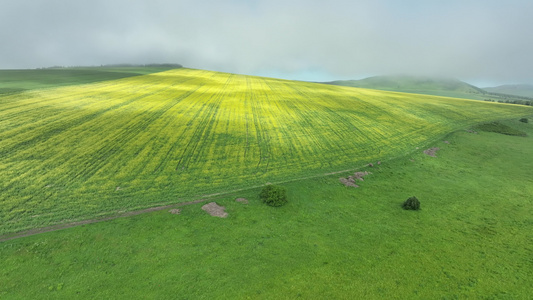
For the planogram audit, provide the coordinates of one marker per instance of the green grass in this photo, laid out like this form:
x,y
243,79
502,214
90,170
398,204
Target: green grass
x,y
471,238
16,81
499,128
524,90
93,150
438,86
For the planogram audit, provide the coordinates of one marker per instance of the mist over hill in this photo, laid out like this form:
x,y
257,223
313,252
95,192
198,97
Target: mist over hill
x,y
442,86
524,90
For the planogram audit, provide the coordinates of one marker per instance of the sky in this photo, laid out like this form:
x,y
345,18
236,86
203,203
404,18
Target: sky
x,y
483,42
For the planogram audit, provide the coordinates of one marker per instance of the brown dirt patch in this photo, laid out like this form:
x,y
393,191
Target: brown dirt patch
x,y
215,210
446,142
431,151
360,175
350,181
175,211
242,200
16,235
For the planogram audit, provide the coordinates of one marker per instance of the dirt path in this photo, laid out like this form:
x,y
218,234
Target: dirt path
x,y
35,231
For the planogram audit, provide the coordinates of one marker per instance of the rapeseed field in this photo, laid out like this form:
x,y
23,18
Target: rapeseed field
x,y
93,150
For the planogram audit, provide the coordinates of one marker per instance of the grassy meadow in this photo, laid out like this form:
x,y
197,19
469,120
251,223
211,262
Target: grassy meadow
x,y
470,240
17,81
87,151
438,86
441,86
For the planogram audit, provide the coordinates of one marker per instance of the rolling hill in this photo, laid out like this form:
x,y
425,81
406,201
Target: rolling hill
x,y
86,151
524,90
16,81
440,86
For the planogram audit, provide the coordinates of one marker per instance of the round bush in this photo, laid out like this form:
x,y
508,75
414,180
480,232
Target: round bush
x,y
273,195
411,204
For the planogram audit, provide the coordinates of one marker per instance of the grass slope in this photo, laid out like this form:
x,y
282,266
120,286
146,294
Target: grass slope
x,y
16,81
471,239
92,150
524,90
438,86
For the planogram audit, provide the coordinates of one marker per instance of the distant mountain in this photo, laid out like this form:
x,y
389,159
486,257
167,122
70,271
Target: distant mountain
x,y
440,86
524,90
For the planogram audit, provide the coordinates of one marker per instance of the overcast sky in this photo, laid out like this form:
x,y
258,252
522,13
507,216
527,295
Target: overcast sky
x,y
484,42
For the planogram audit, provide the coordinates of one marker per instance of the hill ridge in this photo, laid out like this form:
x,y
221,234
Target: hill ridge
x,y
438,86
523,90
413,84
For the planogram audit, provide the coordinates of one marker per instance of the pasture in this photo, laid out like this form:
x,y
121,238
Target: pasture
x,y
94,150
17,81
471,239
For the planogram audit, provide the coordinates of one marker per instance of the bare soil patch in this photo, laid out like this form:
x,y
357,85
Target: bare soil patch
x,y
431,151
175,211
215,210
348,182
351,180
15,235
242,200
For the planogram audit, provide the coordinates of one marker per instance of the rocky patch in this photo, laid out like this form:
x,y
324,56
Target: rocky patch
x,y
215,210
431,151
351,180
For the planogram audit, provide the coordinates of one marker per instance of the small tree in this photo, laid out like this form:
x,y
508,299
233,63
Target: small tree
x,y
411,204
524,120
273,195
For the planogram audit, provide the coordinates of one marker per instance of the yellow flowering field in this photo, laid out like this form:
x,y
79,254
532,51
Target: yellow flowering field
x,y
87,151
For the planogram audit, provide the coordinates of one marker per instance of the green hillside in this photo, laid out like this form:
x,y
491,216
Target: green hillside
x,y
15,81
92,150
524,90
439,86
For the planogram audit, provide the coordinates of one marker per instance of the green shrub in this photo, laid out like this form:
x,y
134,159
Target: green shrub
x,y
524,120
273,195
498,127
411,204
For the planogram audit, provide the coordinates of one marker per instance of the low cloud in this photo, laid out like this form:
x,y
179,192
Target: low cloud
x,y
310,40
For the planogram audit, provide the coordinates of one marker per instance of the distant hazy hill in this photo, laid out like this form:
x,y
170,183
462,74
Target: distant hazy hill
x,y
440,86
524,90
16,81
